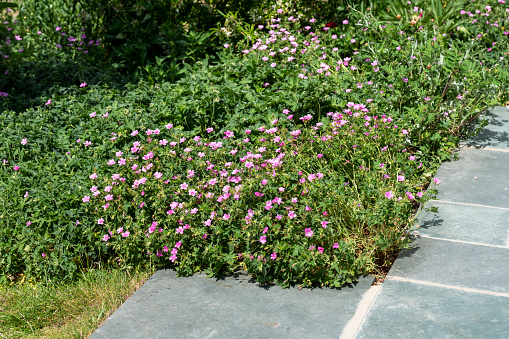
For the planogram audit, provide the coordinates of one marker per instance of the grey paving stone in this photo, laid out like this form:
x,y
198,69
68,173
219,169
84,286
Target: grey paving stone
x,y
478,177
467,223
454,263
196,307
496,134
408,310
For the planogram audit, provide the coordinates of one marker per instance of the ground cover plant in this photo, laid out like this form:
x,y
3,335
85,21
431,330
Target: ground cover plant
x,y
300,155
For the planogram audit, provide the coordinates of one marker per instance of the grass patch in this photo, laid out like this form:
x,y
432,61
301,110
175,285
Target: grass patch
x,y
68,310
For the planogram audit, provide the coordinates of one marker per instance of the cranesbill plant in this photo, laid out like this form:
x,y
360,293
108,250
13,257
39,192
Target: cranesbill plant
x,y
309,205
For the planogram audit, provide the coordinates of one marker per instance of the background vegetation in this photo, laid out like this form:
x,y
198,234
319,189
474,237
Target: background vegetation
x,y
346,107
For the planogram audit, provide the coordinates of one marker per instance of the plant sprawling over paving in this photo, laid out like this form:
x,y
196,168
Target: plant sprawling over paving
x,y
298,151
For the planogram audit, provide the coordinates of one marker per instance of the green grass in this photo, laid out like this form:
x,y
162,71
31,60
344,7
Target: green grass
x,y
70,310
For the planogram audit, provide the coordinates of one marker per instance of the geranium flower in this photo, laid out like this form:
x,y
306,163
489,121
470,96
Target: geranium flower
x,y
308,232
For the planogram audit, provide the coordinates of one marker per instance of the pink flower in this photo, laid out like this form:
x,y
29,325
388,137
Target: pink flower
x,y
173,257
43,255
16,168
436,181
29,223
324,224
108,197
281,189
228,134
106,237
273,256
100,221
209,130
291,214
226,216
125,234
401,178
179,230
389,195
336,245
320,249
308,232
208,222
263,239
307,208
24,141
264,182
111,162
184,186
83,84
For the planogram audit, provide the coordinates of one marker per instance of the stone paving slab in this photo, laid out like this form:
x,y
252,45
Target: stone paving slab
x,y
454,263
409,310
466,223
496,134
167,306
478,177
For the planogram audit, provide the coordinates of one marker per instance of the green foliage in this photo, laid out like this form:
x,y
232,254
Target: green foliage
x,y
374,102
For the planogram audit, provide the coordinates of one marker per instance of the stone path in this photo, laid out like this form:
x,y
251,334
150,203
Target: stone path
x,y
452,283
454,280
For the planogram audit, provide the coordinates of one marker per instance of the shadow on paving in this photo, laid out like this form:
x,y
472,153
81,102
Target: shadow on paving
x,y
231,307
496,134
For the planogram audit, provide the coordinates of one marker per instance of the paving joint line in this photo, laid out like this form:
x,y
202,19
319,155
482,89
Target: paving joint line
x,y
351,329
468,204
464,242
458,288
485,148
